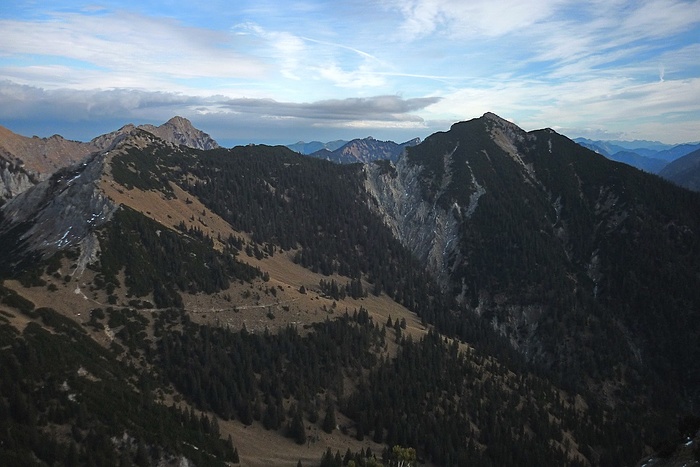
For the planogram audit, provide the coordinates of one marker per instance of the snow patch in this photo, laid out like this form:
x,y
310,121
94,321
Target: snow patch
x,y
474,197
64,240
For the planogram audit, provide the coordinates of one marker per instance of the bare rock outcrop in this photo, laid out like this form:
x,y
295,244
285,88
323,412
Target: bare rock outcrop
x,y
428,230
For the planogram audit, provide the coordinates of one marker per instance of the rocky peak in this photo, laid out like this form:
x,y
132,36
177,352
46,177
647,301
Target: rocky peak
x,y
500,125
179,130
26,161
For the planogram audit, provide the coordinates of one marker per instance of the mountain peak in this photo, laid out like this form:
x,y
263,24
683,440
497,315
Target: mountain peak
x,y
501,122
180,130
492,116
180,122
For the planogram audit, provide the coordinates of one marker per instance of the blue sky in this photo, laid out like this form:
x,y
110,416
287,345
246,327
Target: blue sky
x,y
278,72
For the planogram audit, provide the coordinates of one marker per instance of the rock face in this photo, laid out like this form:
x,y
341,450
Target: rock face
x,y
62,210
26,161
429,231
13,180
42,156
67,208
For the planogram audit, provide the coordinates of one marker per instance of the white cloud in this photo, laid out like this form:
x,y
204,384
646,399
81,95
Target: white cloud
x,y
474,18
127,46
360,78
286,50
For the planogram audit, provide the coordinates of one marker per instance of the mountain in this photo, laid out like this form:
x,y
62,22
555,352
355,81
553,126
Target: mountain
x,y
684,171
609,147
493,297
544,239
365,150
314,146
606,148
678,151
25,161
643,158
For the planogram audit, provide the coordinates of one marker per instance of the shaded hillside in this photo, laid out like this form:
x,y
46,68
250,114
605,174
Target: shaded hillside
x,y
587,266
684,171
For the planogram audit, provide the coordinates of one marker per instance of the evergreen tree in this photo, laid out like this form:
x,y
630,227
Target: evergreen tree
x,y
329,422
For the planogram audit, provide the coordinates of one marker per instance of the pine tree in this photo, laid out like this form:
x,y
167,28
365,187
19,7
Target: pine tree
x,y
329,420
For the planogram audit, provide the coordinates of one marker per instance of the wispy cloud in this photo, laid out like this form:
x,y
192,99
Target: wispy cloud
x,y
129,48
476,18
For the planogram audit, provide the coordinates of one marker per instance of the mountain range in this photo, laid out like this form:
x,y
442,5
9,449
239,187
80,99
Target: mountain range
x,y
650,156
314,146
365,150
488,296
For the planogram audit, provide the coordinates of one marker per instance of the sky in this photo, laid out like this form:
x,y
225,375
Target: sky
x,y
278,72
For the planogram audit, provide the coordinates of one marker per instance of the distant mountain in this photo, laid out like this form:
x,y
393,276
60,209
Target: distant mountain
x,y
647,164
365,150
677,151
650,156
684,171
608,147
314,146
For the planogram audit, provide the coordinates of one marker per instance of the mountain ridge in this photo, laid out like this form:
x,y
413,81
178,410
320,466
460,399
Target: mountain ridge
x,y
684,171
26,161
650,156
